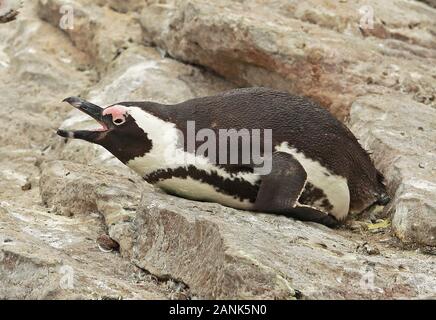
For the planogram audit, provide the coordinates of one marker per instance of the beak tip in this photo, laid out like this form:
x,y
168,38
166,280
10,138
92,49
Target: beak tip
x,y
64,133
74,101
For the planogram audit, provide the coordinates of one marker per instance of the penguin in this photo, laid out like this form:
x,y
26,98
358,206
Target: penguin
x,y
318,171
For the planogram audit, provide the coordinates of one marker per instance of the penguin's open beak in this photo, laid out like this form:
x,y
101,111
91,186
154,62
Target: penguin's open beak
x,y
92,110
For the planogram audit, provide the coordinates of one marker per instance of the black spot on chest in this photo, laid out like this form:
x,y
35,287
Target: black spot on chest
x,y
312,195
235,187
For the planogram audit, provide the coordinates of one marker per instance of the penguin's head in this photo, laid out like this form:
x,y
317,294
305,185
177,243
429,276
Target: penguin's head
x,y
369,188
119,132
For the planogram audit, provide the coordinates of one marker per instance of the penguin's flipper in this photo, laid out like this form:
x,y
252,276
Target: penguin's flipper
x,y
280,189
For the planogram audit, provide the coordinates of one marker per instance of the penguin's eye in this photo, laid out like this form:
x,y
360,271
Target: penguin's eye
x,y
119,121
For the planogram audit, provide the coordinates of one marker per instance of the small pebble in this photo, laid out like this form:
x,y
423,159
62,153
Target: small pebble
x,y
26,186
106,244
366,248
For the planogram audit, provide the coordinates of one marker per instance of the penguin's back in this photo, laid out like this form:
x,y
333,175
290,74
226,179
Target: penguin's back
x,y
295,120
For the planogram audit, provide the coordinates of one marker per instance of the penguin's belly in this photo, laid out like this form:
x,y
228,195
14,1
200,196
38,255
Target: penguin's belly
x,y
197,190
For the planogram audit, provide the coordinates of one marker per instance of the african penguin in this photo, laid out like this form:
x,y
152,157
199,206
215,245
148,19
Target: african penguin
x,y
318,171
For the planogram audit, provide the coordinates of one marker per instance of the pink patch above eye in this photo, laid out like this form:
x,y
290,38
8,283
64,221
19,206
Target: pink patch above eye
x,y
117,112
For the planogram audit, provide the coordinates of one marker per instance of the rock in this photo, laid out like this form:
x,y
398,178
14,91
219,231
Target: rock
x,y
225,253
403,132
26,186
75,189
88,27
219,252
312,48
36,66
53,257
31,87
122,6
107,244
141,73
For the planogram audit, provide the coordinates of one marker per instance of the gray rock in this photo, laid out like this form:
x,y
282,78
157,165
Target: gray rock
x,y
90,28
225,253
403,132
43,256
122,6
312,48
72,189
431,3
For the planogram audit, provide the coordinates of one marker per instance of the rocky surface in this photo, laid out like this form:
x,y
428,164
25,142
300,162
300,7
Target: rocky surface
x,y
307,47
61,202
217,252
407,156
44,255
225,253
